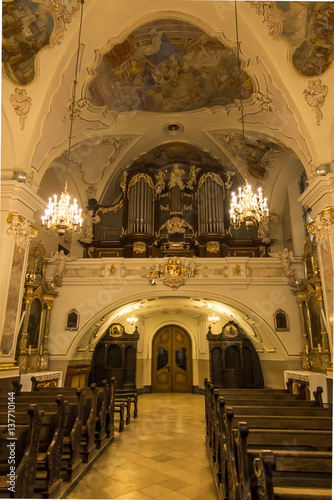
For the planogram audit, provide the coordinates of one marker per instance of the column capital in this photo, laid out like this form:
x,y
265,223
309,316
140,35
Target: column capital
x,y
20,228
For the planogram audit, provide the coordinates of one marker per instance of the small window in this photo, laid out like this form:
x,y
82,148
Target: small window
x,y
281,321
72,321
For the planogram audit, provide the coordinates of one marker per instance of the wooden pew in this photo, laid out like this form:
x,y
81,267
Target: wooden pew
x,y
71,456
124,394
221,446
285,473
45,395
48,480
103,406
26,451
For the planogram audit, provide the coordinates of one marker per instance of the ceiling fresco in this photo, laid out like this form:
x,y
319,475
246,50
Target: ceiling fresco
x,y
175,152
309,29
258,154
26,28
168,66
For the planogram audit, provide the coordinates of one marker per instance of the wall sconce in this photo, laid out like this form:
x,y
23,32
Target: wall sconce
x,y
213,319
132,320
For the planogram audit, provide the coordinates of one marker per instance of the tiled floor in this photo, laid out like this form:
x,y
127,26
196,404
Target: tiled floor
x,y
160,455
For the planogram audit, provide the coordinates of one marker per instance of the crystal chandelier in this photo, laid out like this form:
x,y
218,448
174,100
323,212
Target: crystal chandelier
x,y
246,207
61,216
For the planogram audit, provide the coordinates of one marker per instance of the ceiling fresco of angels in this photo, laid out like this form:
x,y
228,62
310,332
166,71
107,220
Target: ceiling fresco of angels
x,y
168,66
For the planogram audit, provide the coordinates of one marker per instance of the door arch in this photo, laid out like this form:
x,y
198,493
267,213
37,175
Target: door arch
x,y
171,360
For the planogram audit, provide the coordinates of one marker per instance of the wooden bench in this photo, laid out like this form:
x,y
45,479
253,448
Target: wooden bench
x,y
88,428
275,420
288,476
283,473
26,451
48,480
124,394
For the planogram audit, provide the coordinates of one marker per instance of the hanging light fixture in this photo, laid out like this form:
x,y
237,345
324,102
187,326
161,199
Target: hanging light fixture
x,y
246,207
213,319
132,320
61,216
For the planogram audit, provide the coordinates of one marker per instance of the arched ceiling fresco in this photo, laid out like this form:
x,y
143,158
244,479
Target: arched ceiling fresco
x,y
309,29
26,29
168,66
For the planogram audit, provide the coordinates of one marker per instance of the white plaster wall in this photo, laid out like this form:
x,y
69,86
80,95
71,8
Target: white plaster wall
x,y
254,298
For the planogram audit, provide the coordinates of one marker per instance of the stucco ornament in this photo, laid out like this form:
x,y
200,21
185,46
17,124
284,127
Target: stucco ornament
x,y
21,103
213,247
265,101
139,247
88,233
172,272
322,225
21,230
315,96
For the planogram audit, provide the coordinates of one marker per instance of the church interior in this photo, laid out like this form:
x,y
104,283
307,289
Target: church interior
x,y
167,211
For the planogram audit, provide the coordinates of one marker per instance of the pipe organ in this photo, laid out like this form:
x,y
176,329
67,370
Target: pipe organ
x,y
211,195
173,209
140,204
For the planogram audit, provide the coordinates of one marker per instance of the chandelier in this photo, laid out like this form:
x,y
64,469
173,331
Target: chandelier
x,y
60,215
132,320
246,207
213,319
249,208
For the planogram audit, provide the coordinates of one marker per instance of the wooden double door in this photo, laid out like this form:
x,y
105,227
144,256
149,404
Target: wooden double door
x,y
171,360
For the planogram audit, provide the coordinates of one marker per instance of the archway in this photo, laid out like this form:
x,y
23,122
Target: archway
x,y
171,360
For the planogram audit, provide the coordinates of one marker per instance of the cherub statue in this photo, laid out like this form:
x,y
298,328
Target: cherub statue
x,y
192,177
160,183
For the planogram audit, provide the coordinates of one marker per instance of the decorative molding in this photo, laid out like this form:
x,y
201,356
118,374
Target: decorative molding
x,y
265,101
315,96
21,230
62,17
266,9
21,103
136,178
74,111
214,177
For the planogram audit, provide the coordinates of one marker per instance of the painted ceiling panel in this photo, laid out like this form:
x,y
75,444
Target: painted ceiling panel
x,y
168,66
26,28
309,29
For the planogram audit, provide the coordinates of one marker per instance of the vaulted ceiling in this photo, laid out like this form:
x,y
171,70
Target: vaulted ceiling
x,y
159,82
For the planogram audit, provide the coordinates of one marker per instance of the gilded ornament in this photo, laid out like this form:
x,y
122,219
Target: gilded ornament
x,y
139,247
213,247
21,230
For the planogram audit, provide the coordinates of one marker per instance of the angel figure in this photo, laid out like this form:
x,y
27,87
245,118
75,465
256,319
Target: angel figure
x,y
60,258
192,177
88,234
176,177
160,183
287,259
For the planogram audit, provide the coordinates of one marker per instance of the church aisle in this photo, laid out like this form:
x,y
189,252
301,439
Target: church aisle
x,y
160,455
